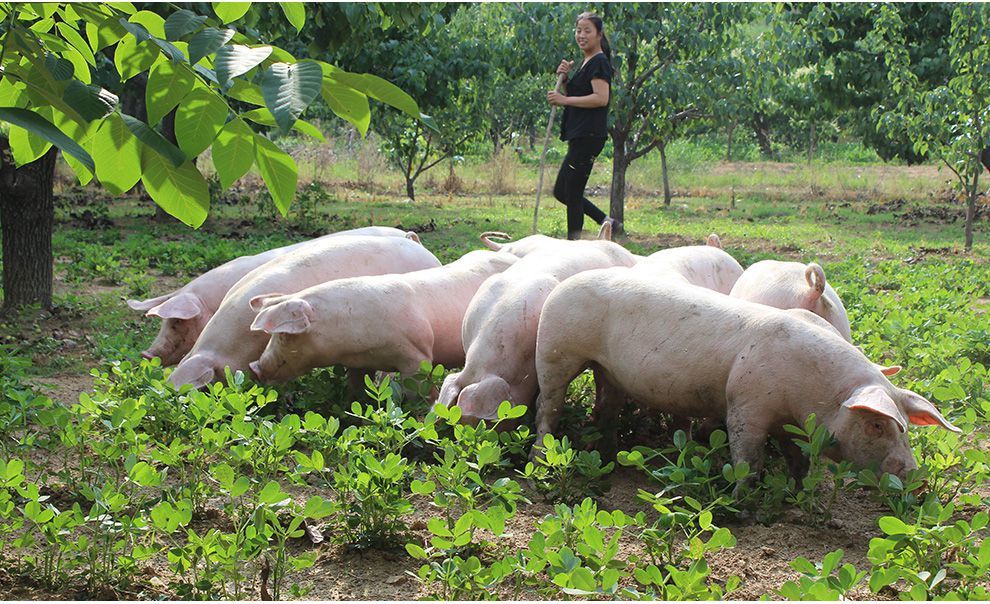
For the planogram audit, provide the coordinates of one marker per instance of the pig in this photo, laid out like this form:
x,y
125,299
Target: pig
x,y
687,350
793,285
499,331
534,243
227,339
388,322
702,265
185,311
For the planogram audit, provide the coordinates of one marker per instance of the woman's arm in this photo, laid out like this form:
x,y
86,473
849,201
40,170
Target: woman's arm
x,y
598,98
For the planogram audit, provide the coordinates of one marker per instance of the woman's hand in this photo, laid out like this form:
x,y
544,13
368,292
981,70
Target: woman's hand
x,y
556,98
565,67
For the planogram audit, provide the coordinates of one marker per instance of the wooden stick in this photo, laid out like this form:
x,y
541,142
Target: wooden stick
x,y
546,144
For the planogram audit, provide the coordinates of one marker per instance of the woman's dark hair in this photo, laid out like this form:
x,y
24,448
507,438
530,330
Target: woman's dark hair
x,y
600,27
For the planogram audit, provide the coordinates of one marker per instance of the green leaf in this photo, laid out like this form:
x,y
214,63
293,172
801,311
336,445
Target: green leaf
x,y
90,101
263,116
279,171
581,578
416,551
295,12
198,120
61,69
38,125
230,11
235,59
25,146
181,191
375,87
272,494
142,474
233,151
289,89
73,37
153,23
132,58
182,23
168,84
118,155
892,525
317,507
207,42
154,140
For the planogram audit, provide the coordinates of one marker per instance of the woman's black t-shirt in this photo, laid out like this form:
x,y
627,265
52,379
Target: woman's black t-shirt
x,y
578,121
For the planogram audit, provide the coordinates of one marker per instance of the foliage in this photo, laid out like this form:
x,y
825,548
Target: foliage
x,y
566,475
817,581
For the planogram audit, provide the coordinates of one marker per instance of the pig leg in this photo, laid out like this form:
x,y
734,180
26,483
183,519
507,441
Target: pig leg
x,y
554,375
747,438
610,402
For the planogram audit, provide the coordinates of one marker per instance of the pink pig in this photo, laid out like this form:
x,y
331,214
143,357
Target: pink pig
x,y
386,322
686,350
499,331
793,285
185,311
227,339
702,265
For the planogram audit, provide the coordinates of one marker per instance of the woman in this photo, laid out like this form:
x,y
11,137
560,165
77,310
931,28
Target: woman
x,y
585,122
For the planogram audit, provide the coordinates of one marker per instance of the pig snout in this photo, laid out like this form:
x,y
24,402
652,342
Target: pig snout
x,y
147,355
899,464
255,368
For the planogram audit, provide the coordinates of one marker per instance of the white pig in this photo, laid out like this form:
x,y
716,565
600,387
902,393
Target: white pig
x,y
387,322
793,285
702,265
686,350
185,311
227,339
499,331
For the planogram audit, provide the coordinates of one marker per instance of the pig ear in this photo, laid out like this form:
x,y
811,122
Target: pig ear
x,y
196,370
183,306
922,412
713,241
264,300
889,370
150,303
878,401
815,277
449,390
412,236
288,316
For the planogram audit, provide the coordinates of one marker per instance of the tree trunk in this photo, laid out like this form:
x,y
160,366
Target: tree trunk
x,y
812,142
762,130
663,170
617,193
410,193
728,144
970,211
27,215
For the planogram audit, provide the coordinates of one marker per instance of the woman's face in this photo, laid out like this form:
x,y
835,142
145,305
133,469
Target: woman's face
x,y
586,36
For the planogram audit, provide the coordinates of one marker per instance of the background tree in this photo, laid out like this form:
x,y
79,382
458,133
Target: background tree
x,y
196,66
950,121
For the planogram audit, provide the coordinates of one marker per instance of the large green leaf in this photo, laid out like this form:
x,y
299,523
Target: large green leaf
x,y
12,93
233,151
295,12
154,140
132,58
235,59
80,68
82,135
26,146
61,69
348,104
40,126
168,84
90,101
109,32
279,171
182,23
230,11
179,190
263,116
73,37
208,42
375,87
289,89
247,92
118,155
198,119
152,22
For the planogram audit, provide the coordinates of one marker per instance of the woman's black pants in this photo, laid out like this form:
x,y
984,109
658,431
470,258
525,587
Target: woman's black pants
x,y
571,180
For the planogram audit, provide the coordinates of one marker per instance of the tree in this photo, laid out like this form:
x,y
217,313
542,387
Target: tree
x,y
663,76
196,65
949,121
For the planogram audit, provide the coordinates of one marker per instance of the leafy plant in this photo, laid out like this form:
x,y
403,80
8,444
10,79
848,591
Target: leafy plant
x,y
820,581
813,439
566,475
